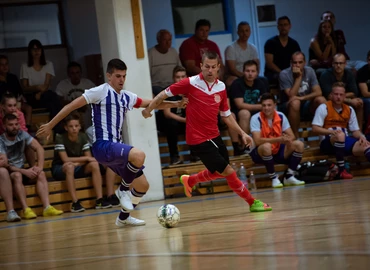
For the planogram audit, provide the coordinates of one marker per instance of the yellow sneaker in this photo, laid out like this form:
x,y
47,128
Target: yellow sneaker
x,y
29,214
51,211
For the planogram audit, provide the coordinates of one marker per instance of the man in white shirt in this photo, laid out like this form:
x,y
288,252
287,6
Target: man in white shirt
x,y
162,60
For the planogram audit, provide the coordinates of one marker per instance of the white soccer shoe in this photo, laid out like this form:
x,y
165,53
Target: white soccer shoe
x,y
130,221
292,181
125,199
276,183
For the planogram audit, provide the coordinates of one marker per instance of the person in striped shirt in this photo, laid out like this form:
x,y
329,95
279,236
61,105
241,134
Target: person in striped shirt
x,y
110,103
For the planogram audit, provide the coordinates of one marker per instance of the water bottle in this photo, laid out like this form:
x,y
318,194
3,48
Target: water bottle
x,y
235,168
252,181
243,175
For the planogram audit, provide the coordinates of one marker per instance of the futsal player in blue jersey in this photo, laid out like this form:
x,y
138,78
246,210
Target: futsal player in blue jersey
x,y
109,105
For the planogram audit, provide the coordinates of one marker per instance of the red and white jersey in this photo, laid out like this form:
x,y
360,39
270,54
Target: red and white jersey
x,y
205,103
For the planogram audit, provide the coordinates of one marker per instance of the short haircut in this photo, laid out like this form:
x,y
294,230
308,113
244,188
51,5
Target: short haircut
x,y
116,64
328,11
210,55
338,84
250,63
9,117
37,43
177,69
339,55
202,22
161,32
368,55
73,64
243,23
283,18
267,96
70,117
7,96
3,56
299,53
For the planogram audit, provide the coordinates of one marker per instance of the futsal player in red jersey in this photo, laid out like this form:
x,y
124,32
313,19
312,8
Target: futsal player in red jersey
x,y
207,98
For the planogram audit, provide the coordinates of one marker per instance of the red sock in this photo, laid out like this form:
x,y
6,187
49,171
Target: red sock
x,y
238,187
203,176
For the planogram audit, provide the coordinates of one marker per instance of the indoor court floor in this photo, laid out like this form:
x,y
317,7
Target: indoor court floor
x,y
320,226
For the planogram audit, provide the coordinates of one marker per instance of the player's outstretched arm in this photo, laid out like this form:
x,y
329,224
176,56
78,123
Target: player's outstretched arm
x,y
156,101
45,130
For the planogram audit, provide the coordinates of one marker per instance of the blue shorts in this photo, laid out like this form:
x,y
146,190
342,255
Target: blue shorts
x,y
113,155
58,174
278,157
327,148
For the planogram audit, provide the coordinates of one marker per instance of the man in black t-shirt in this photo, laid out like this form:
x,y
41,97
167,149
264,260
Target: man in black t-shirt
x,y
244,94
363,79
279,50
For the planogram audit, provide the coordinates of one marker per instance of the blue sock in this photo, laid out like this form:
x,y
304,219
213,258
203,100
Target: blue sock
x,y
339,154
294,161
129,174
268,161
367,153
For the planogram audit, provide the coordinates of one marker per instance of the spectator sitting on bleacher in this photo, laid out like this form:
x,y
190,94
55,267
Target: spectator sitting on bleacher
x,y
245,93
323,46
193,48
279,50
238,53
162,60
301,92
341,41
73,159
9,83
339,73
275,142
13,143
332,122
363,79
36,76
6,191
72,88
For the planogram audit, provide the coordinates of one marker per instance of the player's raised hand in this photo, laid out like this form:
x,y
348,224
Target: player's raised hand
x,y
146,113
44,131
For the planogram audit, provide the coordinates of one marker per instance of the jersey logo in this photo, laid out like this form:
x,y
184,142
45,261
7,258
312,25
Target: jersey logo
x,y
217,98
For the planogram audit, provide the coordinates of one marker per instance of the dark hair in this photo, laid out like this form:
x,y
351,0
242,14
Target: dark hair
x,y
368,55
70,117
202,22
210,55
73,64
162,32
298,53
3,56
116,64
250,63
283,18
321,37
328,11
338,84
177,69
243,23
267,96
9,117
6,97
37,43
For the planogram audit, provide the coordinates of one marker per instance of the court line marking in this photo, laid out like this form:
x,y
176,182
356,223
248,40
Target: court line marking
x,y
183,202
203,254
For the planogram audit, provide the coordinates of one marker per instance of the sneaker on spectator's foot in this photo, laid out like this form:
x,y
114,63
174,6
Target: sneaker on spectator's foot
x,y
306,146
259,206
102,204
194,158
29,214
130,221
51,211
76,207
175,161
187,189
292,181
12,216
345,175
114,201
125,199
276,183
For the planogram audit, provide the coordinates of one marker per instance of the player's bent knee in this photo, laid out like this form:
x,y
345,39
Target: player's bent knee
x,y
136,157
295,105
244,114
299,145
265,148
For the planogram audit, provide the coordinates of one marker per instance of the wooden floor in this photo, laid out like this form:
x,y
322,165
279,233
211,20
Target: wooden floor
x,y
323,226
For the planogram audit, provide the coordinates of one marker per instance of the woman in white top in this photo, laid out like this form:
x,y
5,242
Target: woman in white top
x,y
35,78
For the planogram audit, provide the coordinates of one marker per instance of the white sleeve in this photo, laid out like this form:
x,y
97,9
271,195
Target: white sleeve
x,y
96,94
132,99
320,114
230,53
49,68
24,72
59,89
285,124
255,124
353,123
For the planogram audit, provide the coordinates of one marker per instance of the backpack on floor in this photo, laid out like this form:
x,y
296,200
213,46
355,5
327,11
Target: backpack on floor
x,y
315,172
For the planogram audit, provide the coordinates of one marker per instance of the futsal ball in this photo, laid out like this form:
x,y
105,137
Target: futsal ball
x,y
168,215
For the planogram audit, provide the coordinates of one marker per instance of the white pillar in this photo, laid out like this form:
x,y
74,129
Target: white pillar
x,y
116,34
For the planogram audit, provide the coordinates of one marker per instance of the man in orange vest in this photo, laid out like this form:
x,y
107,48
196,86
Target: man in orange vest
x,y
275,142
332,122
